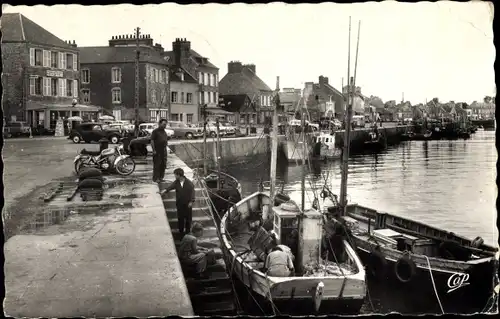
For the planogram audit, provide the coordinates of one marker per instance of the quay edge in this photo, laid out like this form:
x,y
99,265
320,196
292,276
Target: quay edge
x,y
100,262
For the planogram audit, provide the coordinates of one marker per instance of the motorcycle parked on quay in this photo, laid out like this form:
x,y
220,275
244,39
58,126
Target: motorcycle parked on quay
x,y
108,160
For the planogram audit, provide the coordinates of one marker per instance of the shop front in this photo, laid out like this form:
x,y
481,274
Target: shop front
x,y
45,115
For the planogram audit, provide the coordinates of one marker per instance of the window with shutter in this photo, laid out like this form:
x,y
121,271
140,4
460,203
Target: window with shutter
x,y
53,59
32,56
75,63
75,88
53,86
32,86
62,60
45,59
62,91
69,88
46,86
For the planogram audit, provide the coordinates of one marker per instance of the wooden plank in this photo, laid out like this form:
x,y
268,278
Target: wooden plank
x,y
72,194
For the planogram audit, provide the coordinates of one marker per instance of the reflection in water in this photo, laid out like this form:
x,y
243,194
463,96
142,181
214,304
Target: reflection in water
x,y
47,219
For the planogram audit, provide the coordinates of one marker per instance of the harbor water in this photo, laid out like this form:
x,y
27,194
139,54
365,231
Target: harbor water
x,y
445,183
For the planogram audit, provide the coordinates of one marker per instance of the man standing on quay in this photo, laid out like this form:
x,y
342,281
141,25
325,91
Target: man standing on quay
x,y
184,199
159,142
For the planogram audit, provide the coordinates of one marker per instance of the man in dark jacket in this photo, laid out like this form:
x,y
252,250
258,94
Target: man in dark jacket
x,y
184,199
159,142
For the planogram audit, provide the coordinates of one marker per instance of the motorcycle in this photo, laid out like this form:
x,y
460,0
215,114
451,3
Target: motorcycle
x,y
109,159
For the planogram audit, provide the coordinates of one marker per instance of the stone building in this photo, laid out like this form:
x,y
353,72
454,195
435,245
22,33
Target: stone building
x,y
243,79
40,75
199,68
319,94
184,99
108,78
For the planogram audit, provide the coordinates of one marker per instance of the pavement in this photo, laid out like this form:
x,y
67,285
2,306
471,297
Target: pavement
x,y
112,258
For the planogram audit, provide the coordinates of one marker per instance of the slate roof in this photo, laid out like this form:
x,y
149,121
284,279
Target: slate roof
x,y
187,77
17,28
245,82
235,102
193,55
93,55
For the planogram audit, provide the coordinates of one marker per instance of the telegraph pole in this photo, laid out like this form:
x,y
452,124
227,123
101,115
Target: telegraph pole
x,y
136,105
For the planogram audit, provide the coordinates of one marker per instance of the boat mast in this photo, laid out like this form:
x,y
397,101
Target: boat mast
x,y
274,145
205,168
347,130
350,100
304,154
300,222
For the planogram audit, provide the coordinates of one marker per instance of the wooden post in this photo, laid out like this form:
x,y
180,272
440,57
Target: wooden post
x,y
136,104
218,153
274,146
205,163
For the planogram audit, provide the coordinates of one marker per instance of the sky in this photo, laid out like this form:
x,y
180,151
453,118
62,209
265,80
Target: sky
x,y
422,50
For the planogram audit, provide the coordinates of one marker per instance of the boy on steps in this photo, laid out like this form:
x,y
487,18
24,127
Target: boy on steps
x,y
190,254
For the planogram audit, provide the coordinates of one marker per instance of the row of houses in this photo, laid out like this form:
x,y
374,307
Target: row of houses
x,y
46,78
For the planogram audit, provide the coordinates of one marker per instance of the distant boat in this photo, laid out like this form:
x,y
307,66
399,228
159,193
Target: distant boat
x,y
325,148
425,136
375,141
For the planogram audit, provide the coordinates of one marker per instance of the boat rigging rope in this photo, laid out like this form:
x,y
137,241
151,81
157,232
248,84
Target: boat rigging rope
x,y
434,284
232,269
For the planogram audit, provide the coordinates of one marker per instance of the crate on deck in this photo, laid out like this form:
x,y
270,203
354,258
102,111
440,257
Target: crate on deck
x,y
260,242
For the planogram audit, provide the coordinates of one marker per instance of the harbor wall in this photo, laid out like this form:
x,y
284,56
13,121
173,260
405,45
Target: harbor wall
x,y
232,150
238,149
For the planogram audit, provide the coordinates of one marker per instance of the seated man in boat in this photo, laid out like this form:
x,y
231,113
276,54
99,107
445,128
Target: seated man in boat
x,y
279,263
190,254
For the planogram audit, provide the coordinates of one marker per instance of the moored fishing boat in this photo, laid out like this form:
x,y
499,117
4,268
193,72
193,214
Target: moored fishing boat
x,y
457,273
375,141
316,283
325,148
340,287
423,136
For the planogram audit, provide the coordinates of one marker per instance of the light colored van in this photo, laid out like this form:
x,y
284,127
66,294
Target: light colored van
x,y
149,127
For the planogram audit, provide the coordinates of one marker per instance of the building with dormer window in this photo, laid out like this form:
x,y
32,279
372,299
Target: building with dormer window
x,y
202,70
108,78
243,79
41,74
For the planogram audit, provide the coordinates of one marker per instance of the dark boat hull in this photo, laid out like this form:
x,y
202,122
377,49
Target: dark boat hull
x,y
255,304
458,293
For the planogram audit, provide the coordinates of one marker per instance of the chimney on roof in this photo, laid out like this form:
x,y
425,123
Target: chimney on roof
x,y
250,67
323,80
181,48
74,44
234,67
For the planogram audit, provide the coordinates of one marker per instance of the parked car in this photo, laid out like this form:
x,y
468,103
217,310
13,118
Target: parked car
x,y
93,132
296,122
228,128
149,127
14,129
182,130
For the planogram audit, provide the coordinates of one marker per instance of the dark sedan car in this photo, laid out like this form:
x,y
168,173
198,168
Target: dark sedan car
x,y
93,132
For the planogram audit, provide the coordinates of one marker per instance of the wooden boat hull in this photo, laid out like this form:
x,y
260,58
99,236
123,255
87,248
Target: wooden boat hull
x,y
462,286
469,297
349,290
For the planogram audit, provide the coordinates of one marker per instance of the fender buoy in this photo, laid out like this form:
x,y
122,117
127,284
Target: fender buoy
x,y
90,172
405,269
477,242
377,264
92,183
